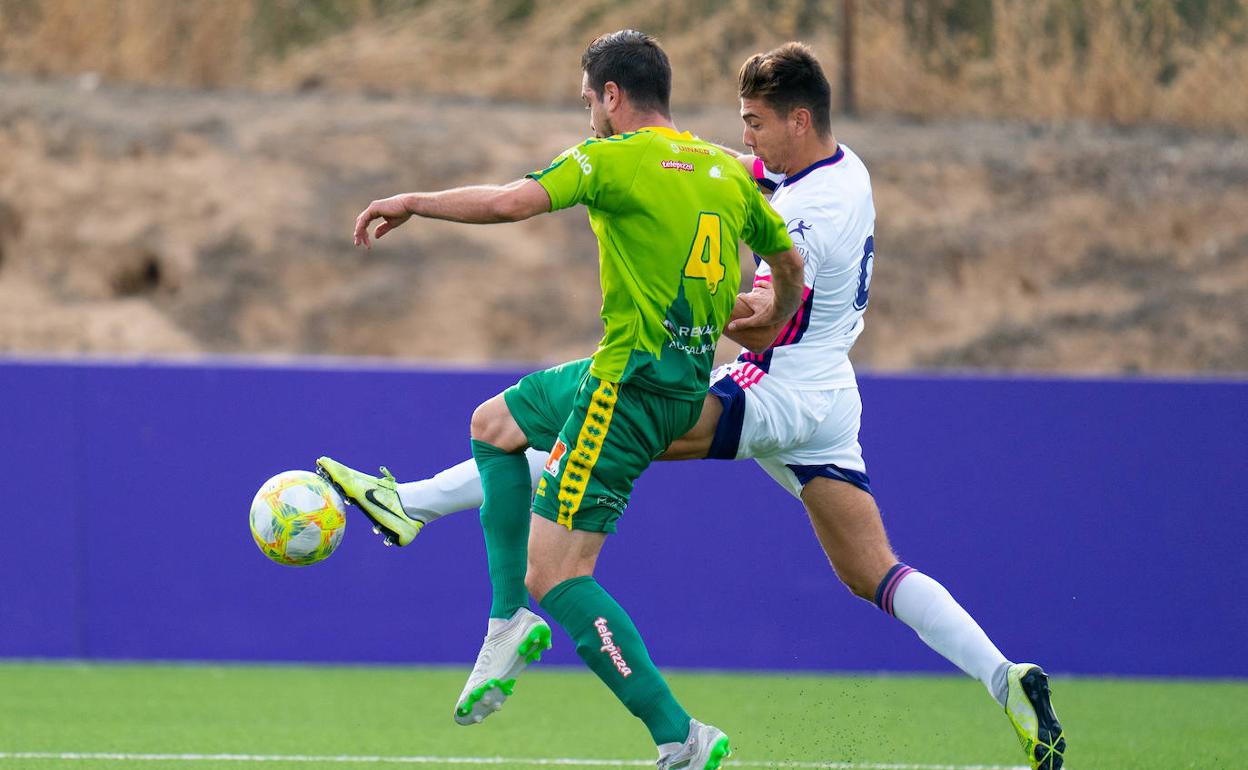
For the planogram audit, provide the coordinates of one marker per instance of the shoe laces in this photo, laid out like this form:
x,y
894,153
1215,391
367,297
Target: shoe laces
x,y
385,472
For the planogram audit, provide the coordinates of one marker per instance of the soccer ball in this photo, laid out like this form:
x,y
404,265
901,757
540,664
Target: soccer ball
x,y
297,518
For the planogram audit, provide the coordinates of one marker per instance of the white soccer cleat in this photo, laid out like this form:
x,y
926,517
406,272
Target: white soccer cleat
x,y
706,748
509,646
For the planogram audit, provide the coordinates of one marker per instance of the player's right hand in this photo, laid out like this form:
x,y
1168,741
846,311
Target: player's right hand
x,y
747,325
393,210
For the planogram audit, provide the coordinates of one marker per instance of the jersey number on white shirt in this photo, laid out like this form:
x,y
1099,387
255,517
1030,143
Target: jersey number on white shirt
x,y
864,273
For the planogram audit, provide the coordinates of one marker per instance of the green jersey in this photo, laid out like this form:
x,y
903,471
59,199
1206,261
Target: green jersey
x,y
668,210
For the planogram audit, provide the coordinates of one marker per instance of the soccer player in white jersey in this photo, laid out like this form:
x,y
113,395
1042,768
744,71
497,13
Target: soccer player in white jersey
x,y
793,406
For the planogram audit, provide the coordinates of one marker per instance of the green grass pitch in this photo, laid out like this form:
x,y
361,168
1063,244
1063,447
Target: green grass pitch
x,y
275,717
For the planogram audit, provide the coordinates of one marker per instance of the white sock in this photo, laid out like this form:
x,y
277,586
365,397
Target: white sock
x,y
537,464
457,488
924,605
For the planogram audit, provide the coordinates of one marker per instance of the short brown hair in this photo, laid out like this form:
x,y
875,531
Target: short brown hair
x,y
786,78
633,61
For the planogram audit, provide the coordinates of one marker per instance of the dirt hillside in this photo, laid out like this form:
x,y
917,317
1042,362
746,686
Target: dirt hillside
x,y
146,220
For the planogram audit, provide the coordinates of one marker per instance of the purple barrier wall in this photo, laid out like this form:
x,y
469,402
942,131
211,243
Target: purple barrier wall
x,y
1095,526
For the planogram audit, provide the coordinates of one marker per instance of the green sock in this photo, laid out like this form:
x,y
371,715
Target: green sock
x,y
505,523
609,643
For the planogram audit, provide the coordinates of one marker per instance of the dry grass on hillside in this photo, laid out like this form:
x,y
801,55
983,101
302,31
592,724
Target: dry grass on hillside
x,y
1117,61
189,42
1118,65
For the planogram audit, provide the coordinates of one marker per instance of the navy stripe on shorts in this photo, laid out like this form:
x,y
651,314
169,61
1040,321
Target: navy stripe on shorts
x,y
805,473
728,430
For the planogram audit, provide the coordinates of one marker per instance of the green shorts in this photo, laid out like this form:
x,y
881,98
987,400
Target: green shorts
x,y
600,435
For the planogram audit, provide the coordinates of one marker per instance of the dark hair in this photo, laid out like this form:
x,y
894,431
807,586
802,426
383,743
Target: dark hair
x,y
786,78
634,61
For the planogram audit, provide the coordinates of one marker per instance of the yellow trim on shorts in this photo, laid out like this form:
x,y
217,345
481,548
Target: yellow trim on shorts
x,y
584,455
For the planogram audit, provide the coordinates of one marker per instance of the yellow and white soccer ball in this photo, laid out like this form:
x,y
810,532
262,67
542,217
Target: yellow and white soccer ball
x,y
297,518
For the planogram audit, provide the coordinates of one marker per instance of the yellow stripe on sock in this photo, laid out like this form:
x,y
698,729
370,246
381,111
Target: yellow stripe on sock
x,y
584,455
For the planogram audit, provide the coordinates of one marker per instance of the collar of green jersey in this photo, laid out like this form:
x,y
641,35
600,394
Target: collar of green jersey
x,y
670,133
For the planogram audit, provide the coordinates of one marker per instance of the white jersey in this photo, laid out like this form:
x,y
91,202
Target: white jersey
x,y
831,219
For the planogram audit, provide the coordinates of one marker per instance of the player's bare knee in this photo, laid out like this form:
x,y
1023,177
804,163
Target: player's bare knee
x,y
484,421
493,424
540,578
536,583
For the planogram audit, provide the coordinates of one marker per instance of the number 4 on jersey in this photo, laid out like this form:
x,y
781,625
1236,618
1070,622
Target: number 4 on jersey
x,y
706,259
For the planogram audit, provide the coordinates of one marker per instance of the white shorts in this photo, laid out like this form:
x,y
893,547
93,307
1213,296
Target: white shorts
x,y
794,435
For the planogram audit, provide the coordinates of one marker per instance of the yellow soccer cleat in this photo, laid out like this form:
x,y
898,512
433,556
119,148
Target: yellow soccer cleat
x,y
377,497
1031,713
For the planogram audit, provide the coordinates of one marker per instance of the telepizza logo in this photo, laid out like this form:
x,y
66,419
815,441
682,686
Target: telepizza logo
x,y
678,165
556,456
608,646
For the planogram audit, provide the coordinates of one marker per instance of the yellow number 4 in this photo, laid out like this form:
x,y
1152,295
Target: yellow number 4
x,y
706,259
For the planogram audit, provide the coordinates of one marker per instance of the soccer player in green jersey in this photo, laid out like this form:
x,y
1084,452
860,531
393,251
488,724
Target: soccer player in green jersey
x,y
668,211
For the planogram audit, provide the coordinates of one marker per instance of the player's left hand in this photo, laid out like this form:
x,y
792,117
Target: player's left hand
x,y
393,210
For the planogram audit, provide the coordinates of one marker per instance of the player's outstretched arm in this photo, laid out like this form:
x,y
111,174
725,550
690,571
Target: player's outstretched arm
x,y
480,204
